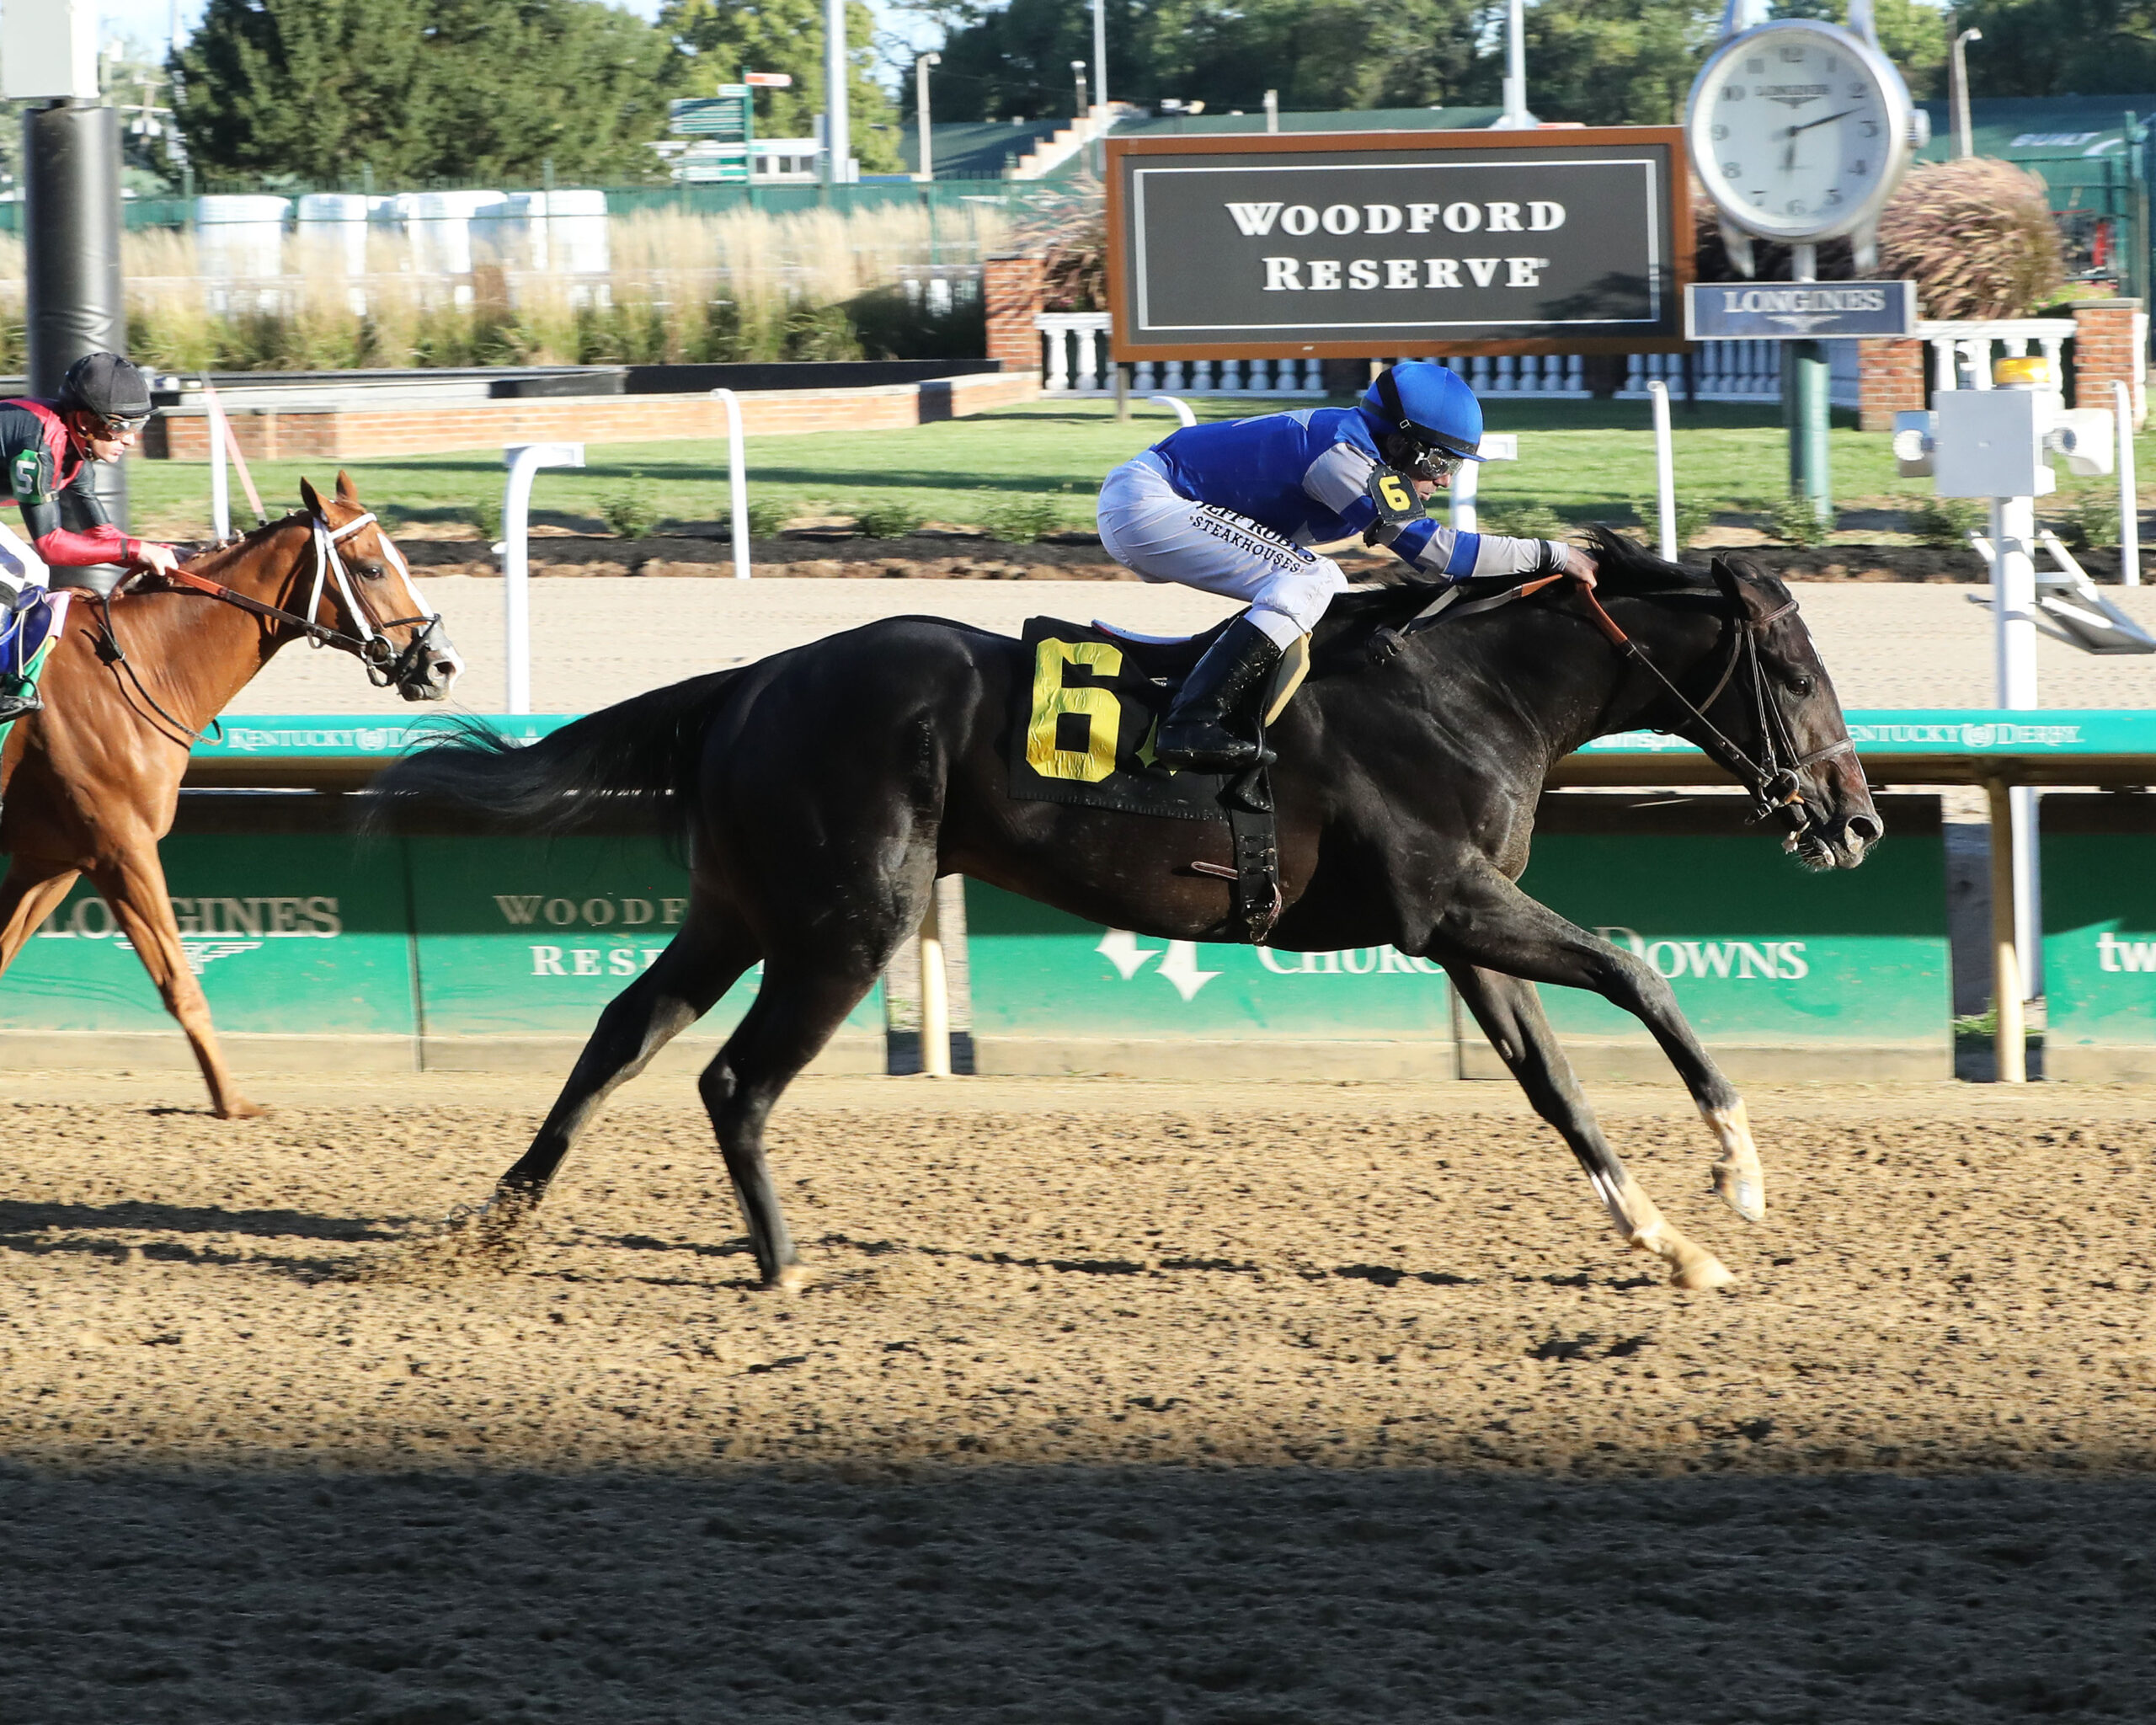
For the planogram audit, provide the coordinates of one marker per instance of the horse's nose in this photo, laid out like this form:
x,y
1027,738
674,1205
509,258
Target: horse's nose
x,y
1865,829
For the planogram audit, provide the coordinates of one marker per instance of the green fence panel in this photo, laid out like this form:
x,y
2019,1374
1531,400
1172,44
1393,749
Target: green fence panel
x,y
292,933
1760,950
1762,953
1039,972
533,938
2097,866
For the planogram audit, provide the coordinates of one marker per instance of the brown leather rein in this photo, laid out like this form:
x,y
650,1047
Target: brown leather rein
x,y
1776,788
385,666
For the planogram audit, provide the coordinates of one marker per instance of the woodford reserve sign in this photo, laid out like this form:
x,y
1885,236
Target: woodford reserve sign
x,y
1261,245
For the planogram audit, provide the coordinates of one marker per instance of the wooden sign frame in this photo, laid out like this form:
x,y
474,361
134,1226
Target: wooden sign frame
x,y
1682,261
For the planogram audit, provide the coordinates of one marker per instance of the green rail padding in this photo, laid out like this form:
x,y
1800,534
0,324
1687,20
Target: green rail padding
x,y
2098,869
1804,972
291,934
1974,734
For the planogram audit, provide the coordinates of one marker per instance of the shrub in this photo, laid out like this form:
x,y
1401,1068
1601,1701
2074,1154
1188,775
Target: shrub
x,y
887,519
1978,237
485,513
820,333
633,511
1945,523
767,517
1694,514
1020,520
1521,521
1797,521
2093,521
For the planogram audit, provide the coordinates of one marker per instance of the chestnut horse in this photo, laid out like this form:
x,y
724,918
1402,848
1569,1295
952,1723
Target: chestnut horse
x,y
91,782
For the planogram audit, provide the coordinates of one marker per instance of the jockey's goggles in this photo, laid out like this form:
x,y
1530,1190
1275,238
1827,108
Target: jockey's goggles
x,y
1428,463
120,424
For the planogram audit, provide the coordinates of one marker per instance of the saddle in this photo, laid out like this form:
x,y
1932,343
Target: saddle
x,y
1083,734
28,632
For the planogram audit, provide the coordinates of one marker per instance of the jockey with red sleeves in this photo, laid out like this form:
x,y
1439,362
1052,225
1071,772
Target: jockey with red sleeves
x,y
46,448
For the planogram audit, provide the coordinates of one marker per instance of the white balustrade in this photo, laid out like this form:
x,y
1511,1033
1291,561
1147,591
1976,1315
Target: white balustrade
x,y
1962,349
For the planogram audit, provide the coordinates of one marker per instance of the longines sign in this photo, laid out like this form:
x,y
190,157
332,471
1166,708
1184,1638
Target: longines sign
x,y
1389,243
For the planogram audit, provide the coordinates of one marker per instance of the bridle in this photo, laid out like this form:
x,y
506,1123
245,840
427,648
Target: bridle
x,y
385,667
368,641
1777,792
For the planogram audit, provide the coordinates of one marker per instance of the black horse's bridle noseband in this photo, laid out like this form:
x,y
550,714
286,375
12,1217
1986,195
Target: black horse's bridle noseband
x,y
1777,790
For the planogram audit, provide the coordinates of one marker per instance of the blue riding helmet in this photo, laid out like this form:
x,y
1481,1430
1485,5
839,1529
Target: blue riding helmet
x,y
1426,403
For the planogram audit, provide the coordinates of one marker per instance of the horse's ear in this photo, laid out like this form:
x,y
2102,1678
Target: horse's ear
x,y
347,492
1757,592
312,499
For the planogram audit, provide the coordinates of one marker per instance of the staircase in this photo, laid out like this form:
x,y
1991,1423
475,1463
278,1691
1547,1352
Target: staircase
x,y
1061,145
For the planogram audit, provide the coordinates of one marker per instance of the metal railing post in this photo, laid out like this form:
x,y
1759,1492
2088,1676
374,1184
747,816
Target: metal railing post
x,y
2011,1038
524,464
935,991
2129,497
737,483
1181,407
1665,469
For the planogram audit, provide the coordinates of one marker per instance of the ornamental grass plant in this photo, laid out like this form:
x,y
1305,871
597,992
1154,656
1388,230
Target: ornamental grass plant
x,y
681,287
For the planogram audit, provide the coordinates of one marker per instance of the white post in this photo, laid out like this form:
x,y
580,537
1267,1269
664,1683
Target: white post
x,y
838,133
524,464
2013,636
1463,497
737,483
221,483
1101,57
2129,493
1272,110
935,992
1665,469
1515,117
921,112
1181,406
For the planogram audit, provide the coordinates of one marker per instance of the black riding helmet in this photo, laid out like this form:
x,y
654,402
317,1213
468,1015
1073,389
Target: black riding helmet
x,y
109,387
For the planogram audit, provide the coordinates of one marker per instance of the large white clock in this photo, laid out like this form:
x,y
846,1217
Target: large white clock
x,y
1799,130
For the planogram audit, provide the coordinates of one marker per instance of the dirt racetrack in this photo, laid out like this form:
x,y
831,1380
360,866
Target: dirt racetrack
x,y
1113,1402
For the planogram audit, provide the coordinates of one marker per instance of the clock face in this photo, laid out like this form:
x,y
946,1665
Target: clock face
x,y
1797,131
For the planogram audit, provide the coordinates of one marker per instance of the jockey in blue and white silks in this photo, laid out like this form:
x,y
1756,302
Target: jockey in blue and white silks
x,y
1233,508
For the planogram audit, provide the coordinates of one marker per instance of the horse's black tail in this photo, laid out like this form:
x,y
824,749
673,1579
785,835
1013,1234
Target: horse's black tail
x,y
635,759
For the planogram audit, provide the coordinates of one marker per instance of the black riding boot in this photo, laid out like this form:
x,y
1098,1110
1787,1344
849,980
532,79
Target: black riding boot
x,y
1213,725
17,695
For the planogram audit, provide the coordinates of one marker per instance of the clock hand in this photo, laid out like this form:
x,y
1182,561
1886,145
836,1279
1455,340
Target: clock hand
x,y
1824,120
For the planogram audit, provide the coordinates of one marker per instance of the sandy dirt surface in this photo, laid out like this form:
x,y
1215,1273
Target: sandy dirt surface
x,y
1111,1401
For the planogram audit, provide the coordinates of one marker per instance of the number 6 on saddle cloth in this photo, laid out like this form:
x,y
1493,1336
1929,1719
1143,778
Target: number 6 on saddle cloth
x,y
1083,734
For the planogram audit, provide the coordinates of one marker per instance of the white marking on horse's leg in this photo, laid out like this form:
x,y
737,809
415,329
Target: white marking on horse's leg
x,y
1739,1180
1644,1229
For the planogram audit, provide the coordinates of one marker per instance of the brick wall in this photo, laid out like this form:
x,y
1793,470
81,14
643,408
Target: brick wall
x,y
1012,289
1890,380
2111,345
356,434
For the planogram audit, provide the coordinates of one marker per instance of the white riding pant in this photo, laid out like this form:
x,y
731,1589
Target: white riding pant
x,y
21,566
1148,527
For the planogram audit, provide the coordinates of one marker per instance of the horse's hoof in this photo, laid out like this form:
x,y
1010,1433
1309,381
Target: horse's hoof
x,y
1745,1193
789,1277
1700,1272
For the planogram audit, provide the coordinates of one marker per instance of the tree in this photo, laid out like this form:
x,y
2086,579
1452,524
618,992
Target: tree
x,y
313,90
2062,47
1606,62
716,39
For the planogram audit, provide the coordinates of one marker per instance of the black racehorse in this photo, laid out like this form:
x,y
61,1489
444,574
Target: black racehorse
x,y
821,790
